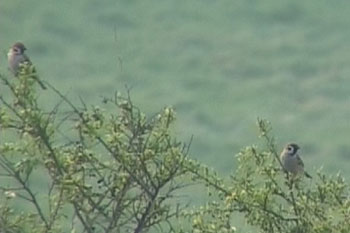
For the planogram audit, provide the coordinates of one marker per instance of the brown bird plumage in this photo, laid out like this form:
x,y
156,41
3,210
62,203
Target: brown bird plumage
x,y
16,56
291,160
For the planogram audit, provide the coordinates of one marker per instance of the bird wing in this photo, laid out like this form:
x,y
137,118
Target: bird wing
x,y
26,59
300,162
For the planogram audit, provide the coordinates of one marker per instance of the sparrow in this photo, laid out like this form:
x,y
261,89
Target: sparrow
x,y
291,160
16,57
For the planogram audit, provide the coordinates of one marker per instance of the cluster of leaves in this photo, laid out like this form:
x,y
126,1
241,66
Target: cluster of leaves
x,y
271,200
99,171
119,171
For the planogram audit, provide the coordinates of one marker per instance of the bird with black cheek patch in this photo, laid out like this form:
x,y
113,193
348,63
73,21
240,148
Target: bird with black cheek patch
x,y
291,160
16,56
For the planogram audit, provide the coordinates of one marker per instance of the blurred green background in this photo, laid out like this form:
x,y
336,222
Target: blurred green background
x,y
220,64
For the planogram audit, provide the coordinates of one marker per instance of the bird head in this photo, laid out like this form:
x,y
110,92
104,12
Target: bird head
x,y
18,48
291,149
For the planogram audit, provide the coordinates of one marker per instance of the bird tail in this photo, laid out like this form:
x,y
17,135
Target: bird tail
x,y
307,175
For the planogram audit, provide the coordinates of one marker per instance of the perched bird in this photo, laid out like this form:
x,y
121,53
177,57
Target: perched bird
x,y
16,57
291,160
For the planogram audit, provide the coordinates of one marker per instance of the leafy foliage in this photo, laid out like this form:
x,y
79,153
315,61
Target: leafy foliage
x,y
270,200
117,170
111,172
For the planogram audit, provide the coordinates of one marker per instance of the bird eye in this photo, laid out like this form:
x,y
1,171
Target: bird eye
x,y
289,148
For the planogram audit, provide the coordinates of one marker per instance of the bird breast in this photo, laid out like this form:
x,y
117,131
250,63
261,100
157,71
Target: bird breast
x,y
290,163
14,61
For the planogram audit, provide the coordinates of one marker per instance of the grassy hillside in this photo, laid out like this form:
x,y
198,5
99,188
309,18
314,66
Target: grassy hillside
x,y
221,64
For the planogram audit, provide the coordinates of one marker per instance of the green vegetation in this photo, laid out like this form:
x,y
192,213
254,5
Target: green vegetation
x,y
111,173
220,64
125,172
